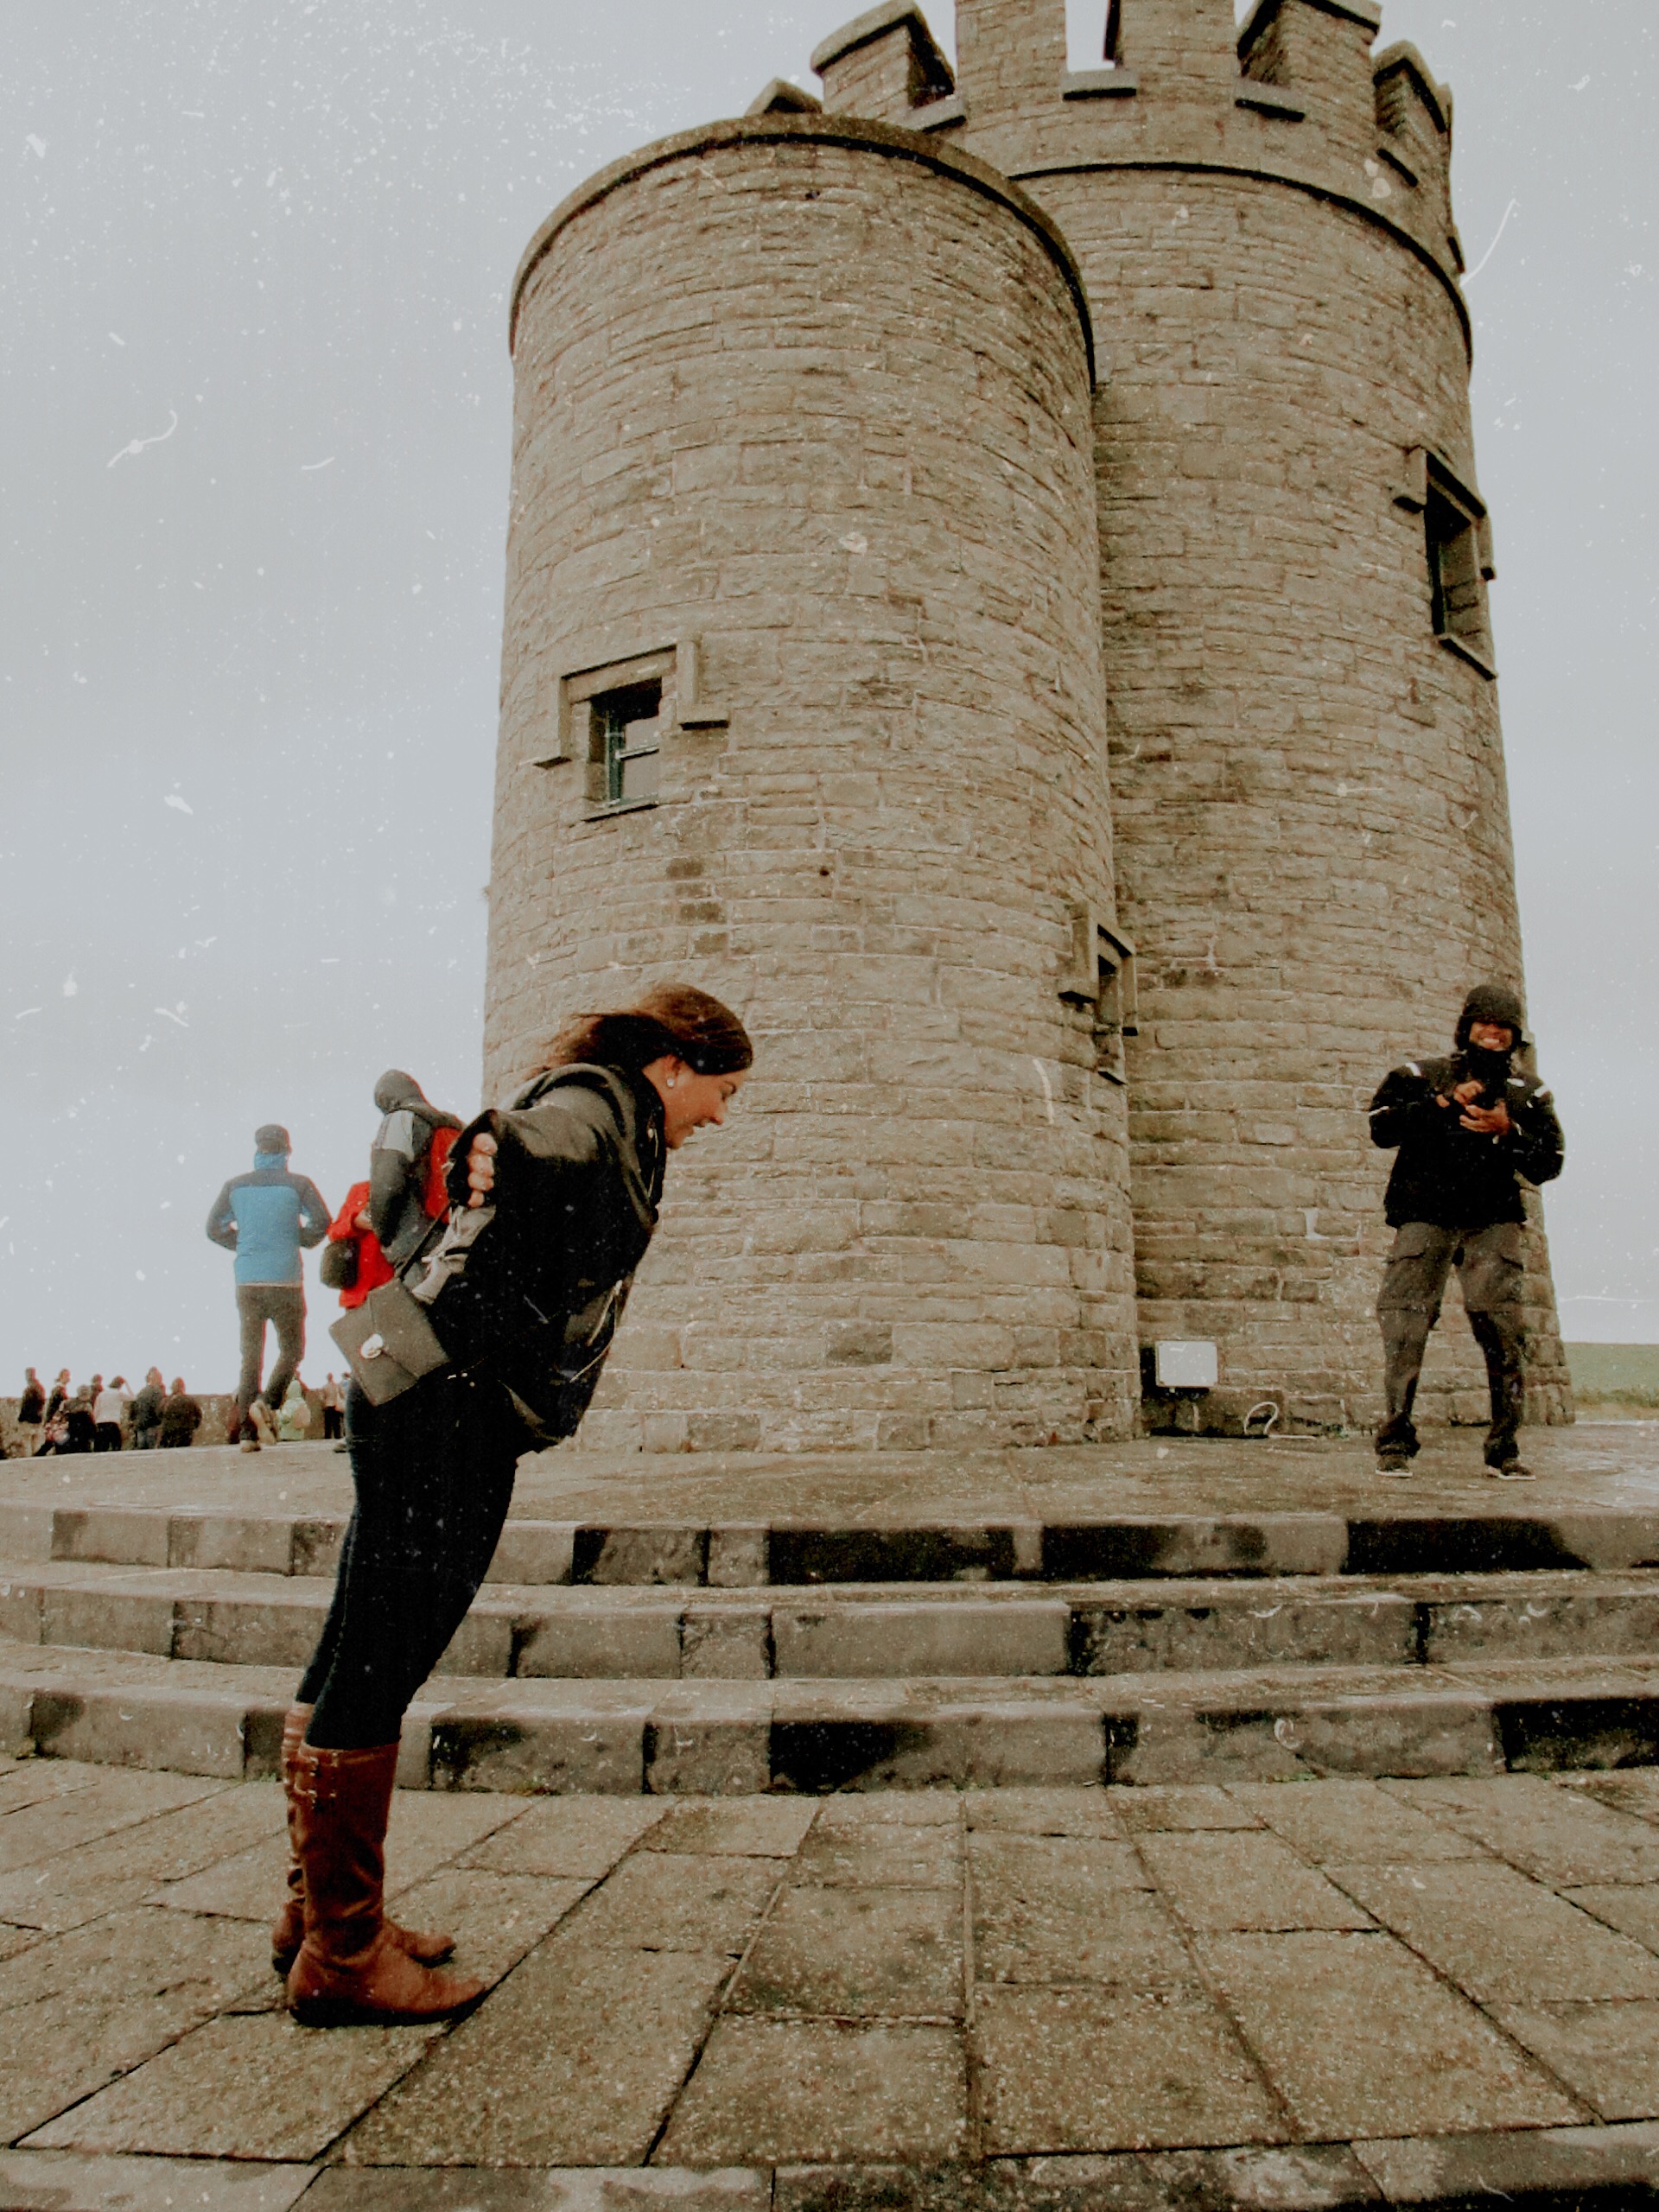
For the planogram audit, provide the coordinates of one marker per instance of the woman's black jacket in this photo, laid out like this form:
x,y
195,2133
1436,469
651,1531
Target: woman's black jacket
x,y
545,1269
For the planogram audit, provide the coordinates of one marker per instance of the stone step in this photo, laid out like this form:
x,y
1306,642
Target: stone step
x,y
656,1632
736,1738
1508,1536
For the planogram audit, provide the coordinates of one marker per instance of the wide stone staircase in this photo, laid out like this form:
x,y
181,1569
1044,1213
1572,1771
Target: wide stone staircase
x,y
699,1652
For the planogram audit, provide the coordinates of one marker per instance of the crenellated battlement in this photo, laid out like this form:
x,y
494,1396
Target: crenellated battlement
x,y
885,65
1413,122
1318,51
1293,94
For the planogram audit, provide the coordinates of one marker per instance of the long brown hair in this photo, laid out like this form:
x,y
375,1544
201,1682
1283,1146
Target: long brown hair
x,y
674,1018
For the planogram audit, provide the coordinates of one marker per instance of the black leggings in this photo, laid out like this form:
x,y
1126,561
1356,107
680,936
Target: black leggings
x,y
434,1474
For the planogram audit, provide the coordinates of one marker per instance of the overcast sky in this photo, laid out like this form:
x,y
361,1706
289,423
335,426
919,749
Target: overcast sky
x,y
254,449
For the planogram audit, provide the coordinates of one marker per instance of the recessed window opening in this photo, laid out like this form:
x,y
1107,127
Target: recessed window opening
x,y
1092,34
627,741
1100,978
1457,597
1114,1006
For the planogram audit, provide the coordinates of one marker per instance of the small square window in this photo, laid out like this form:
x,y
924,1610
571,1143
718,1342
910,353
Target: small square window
x,y
627,742
1453,570
619,718
1100,977
1458,540
1115,1007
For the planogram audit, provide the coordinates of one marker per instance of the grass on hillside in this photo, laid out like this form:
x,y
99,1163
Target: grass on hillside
x,y
1625,1375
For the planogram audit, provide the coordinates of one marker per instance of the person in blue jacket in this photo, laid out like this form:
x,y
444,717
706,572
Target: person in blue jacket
x,y
266,1218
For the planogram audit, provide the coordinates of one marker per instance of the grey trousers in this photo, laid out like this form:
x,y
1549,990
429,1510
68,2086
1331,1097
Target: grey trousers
x,y
1490,1273
284,1306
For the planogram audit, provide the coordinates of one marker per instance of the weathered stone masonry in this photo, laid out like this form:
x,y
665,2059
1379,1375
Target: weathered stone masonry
x,y
861,511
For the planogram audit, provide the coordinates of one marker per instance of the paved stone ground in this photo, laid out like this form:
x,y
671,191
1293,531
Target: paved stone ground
x,y
1304,1993
1610,1464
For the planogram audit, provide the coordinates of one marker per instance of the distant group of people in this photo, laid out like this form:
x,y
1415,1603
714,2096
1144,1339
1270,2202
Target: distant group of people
x,y
99,1416
103,1416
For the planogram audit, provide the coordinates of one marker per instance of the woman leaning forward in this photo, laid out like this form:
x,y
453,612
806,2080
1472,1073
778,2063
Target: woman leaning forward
x,y
555,1204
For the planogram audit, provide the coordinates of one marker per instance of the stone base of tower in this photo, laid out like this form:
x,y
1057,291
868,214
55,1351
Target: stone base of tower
x,y
1300,1351
730,1404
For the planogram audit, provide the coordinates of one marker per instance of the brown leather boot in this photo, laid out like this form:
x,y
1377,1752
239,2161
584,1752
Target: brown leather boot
x,y
431,1947
349,1969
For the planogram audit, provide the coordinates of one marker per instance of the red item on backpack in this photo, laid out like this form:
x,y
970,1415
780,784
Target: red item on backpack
x,y
372,1266
435,1197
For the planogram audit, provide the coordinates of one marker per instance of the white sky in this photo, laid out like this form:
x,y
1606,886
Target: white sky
x,y
254,448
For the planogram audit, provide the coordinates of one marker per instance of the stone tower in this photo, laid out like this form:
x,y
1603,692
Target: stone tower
x,y
803,700
861,510
1308,794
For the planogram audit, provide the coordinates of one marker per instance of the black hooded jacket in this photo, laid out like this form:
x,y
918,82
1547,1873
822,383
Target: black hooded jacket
x,y
397,1164
1450,1175
529,1289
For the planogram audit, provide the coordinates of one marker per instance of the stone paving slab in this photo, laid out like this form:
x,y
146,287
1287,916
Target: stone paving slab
x,y
81,2008
1500,1937
1246,1880
575,1837
256,2087
1551,1834
577,2060
1356,1823
1633,1911
857,1954
824,2089
113,1869
1081,2069
1607,2055
929,2003
1360,2038
59,2181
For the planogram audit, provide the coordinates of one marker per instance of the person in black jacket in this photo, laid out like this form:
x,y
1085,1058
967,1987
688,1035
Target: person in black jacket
x,y
31,1411
147,1411
1469,1131
553,1203
400,1162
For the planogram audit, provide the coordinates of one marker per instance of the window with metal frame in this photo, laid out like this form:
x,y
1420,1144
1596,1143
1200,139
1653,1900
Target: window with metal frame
x,y
627,741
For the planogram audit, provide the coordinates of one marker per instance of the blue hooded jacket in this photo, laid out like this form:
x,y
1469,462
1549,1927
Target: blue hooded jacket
x,y
265,1219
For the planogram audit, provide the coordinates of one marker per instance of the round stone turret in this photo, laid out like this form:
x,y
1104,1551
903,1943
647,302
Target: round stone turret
x,y
802,702
1312,826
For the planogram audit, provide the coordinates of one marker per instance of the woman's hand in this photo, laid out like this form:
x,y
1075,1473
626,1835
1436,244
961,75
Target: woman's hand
x,y
481,1169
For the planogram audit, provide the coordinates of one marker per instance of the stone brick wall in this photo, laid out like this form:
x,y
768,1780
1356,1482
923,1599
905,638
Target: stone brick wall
x,y
1309,801
815,398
